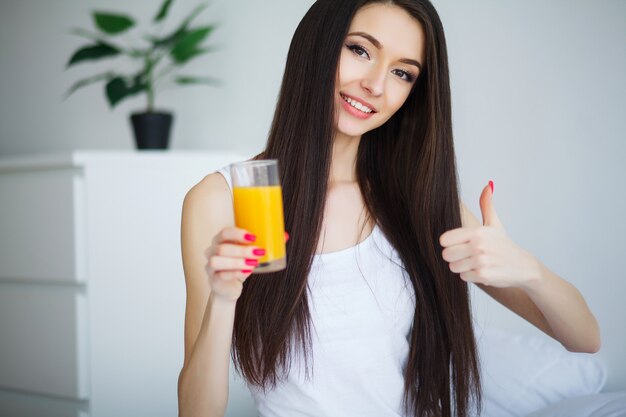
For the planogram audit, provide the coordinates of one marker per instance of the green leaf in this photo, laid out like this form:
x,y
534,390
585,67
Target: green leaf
x,y
188,45
86,81
189,80
117,88
93,52
180,31
113,23
193,54
182,58
165,7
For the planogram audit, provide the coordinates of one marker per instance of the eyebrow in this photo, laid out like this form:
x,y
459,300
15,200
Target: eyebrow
x,y
378,45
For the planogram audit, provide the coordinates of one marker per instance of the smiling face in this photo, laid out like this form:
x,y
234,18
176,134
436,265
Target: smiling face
x,y
379,63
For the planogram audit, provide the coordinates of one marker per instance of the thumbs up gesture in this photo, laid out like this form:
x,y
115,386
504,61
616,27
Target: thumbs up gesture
x,y
488,211
485,254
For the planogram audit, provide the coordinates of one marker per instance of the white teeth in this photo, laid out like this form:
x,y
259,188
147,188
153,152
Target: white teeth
x,y
357,105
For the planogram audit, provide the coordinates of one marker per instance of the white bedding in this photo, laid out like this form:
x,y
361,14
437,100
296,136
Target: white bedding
x,y
596,405
524,374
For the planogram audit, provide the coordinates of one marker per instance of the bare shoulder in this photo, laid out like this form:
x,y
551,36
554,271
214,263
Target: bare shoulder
x,y
208,203
212,190
207,209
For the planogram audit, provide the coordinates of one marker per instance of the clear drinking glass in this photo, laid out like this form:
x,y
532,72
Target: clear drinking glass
x,y
258,206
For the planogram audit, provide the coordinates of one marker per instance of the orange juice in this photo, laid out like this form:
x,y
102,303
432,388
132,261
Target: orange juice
x,y
259,209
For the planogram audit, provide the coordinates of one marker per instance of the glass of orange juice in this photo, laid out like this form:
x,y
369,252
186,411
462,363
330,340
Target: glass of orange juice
x,y
258,206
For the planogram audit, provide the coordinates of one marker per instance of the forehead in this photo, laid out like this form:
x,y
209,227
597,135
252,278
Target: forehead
x,y
397,31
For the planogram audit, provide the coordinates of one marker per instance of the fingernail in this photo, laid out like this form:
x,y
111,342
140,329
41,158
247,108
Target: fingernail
x,y
246,271
253,262
286,236
491,185
259,252
250,237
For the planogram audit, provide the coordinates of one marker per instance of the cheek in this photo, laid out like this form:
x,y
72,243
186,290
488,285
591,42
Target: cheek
x,y
349,69
397,97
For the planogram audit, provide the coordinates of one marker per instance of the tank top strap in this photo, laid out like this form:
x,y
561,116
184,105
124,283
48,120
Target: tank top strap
x,y
225,171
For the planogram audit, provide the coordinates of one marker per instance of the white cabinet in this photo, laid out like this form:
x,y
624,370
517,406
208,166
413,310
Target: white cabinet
x,y
91,285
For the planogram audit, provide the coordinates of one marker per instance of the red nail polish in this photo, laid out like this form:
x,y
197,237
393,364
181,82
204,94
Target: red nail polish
x,y
246,271
250,237
491,185
252,262
259,252
286,236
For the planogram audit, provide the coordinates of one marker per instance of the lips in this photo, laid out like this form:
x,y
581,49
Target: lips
x,y
357,107
358,103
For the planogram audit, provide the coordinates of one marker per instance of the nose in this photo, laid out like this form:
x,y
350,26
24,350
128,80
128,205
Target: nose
x,y
374,81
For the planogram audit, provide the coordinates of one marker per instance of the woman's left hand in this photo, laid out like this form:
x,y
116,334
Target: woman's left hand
x,y
485,254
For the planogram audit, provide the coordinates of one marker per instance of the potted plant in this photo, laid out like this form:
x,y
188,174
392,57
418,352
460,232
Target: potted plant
x,y
160,58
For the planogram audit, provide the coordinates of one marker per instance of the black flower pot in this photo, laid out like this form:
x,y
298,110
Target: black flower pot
x,y
152,130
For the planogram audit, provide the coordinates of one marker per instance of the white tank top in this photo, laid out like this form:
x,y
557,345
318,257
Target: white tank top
x,y
362,304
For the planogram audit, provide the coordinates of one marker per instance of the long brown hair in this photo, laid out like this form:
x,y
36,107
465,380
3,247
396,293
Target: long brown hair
x,y
406,171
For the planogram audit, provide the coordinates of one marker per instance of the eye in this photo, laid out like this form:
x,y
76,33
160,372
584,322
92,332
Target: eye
x,y
358,50
407,76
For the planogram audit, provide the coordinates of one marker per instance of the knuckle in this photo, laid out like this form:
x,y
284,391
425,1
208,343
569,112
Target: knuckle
x,y
220,251
479,247
218,275
226,275
213,263
222,235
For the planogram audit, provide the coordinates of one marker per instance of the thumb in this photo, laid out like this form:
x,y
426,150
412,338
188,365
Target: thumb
x,y
488,211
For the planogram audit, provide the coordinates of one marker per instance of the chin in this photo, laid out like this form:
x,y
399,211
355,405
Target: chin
x,y
352,129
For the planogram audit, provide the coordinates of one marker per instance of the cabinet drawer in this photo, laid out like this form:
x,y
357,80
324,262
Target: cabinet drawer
x,y
43,343
41,229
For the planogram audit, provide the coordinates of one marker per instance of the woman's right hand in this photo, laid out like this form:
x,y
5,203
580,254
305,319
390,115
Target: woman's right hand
x,y
231,259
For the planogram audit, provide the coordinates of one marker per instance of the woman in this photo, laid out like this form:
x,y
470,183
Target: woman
x,y
372,314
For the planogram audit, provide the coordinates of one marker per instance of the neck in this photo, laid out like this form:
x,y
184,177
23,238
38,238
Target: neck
x,y
343,163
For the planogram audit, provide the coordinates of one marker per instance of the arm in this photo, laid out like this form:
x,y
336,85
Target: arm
x,y
547,301
212,291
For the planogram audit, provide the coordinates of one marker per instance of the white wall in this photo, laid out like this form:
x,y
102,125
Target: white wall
x,y
539,104
539,96
35,46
